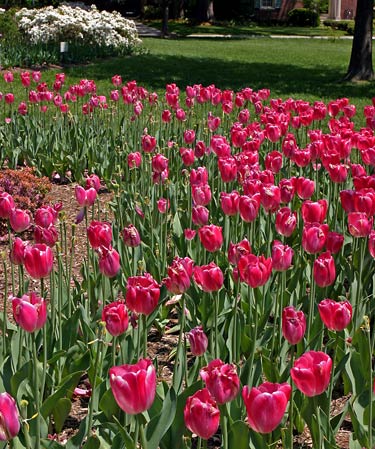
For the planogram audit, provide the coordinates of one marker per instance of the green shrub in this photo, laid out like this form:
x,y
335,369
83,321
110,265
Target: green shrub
x,y
343,25
8,26
303,17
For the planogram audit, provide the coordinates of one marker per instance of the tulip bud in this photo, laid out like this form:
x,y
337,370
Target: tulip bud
x,y
198,341
6,204
109,261
293,325
201,414
324,270
131,236
86,197
17,253
10,422
282,256
134,386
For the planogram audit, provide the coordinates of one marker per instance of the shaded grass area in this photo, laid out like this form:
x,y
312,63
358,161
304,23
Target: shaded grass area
x,y
184,28
299,68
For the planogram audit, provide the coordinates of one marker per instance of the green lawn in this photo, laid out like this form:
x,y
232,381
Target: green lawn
x,y
310,69
184,28
300,68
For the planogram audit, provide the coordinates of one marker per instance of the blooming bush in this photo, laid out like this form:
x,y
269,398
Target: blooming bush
x,y
65,23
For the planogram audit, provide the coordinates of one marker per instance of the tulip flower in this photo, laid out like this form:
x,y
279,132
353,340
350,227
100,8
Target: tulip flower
x,y
142,294
38,260
29,312
201,194
163,205
10,420
198,341
236,251
285,221
148,143
270,197
293,325
179,275
20,220
199,176
282,256
201,414
287,190
311,372
254,270
359,224
274,161
116,318
159,163
109,261
99,234
134,386
131,236
211,237
334,242
93,181
200,215
371,243
249,207
209,278
313,212
266,405
48,236
221,380
335,315
324,270
227,168
17,252
6,204
134,160
85,197
304,187
45,216
314,236
230,202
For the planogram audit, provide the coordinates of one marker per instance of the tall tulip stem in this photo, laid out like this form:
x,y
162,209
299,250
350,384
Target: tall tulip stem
x,y
36,393
142,433
224,426
311,304
291,407
5,307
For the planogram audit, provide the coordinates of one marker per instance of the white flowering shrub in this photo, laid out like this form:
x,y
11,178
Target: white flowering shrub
x,y
74,24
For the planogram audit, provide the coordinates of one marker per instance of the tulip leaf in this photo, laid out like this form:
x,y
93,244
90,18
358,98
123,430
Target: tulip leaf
x,y
61,412
65,389
257,441
51,444
92,442
129,443
238,436
24,373
159,425
108,404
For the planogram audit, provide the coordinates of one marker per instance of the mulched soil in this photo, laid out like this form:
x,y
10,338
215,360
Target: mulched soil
x,y
160,346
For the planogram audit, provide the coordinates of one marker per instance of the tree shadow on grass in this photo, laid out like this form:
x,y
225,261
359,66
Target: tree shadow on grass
x,y
155,71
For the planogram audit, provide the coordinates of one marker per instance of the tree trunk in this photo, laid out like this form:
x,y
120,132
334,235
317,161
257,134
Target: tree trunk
x,y
205,10
360,66
164,26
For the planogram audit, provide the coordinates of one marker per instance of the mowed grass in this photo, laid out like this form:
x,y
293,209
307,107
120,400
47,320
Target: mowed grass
x,y
308,69
184,28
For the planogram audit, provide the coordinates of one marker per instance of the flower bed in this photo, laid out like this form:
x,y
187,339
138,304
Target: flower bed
x,y
240,223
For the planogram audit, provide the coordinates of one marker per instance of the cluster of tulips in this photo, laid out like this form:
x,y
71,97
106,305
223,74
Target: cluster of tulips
x,y
249,218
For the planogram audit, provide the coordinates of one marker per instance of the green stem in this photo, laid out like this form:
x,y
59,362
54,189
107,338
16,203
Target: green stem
x,y
5,308
254,339
311,303
216,312
318,444
36,392
142,433
96,365
144,326
291,407
224,426
114,343
371,393
178,360
331,384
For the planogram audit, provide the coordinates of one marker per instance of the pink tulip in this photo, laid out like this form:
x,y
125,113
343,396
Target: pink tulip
x,y
38,260
311,373
29,312
335,315
221,380
201,414
20,220
10,422
115,317
209,278
198,341
6,204
134,386
179,275
99,234
85,197
109,261
143,294
255,270
282,256
266,405
131,236
293,325
211,237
